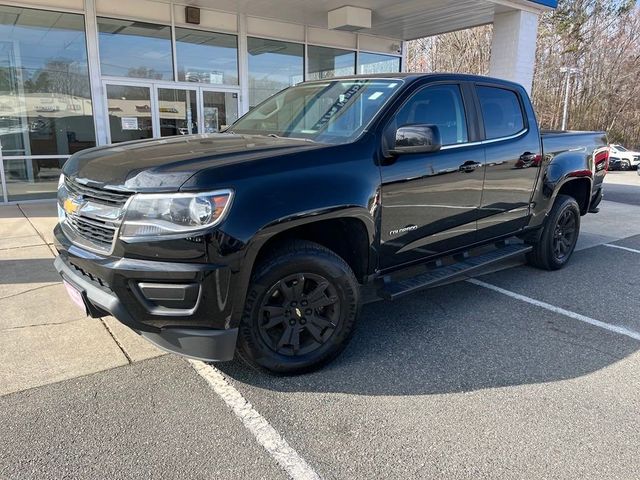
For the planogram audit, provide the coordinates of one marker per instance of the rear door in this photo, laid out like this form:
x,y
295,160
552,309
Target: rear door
x,y
513,158
430,201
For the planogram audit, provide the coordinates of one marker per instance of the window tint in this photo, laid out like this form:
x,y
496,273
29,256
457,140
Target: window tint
x,y
206,57
273,66
45,99
135,49
501,112
441,106
327,62
376,63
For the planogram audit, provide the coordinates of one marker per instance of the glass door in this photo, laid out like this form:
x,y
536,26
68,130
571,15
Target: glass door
x,y
142,110
219,109
130,111
178,111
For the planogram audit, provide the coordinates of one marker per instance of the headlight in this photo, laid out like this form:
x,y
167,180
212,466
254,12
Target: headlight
x,y
160,215
62,194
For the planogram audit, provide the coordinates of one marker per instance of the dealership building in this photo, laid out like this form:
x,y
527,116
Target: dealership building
x,y
79,73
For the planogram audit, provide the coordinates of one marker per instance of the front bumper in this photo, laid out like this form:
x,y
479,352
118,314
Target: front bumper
x,y
112,287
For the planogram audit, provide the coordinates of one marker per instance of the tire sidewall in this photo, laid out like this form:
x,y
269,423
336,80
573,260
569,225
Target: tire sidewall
x,y
338,273
564,203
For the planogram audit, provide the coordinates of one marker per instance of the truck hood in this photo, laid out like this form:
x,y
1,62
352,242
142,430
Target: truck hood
x,y
166,164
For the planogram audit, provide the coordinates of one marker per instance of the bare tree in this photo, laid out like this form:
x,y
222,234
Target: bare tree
x,y
601,38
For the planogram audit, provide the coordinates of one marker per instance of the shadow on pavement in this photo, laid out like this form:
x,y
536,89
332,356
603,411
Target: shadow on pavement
x,y
35,270
456,338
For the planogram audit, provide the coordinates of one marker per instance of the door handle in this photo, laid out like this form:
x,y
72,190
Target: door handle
x,y
469,166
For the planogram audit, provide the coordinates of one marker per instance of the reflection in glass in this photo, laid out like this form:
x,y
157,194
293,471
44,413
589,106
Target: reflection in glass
x,y
178,112
129,113
327,62
219,109
330,111
135,49
45,102
207,57
369,63
273,66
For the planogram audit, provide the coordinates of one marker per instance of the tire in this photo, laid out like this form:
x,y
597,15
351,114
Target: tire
x,y
558,240
625,165
301,310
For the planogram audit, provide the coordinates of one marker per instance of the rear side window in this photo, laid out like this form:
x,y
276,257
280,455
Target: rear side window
x,y
439,105
501,112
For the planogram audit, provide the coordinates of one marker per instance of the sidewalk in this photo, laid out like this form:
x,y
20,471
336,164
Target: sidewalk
x,y
44,337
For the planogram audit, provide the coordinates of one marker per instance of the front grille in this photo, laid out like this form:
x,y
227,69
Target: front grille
x,y
98,195
95,221
99,232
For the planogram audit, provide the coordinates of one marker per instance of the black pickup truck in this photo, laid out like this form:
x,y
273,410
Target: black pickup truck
x,y
264,240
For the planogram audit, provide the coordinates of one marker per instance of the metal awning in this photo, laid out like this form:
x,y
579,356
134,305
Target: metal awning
x,y
399,19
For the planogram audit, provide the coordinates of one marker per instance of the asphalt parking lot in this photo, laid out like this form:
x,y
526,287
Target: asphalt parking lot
x,y
518,373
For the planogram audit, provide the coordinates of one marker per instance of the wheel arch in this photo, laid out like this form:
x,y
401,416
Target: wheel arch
x,y
580,189
349,232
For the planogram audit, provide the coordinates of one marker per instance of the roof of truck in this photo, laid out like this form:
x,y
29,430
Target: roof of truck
x,y
417,76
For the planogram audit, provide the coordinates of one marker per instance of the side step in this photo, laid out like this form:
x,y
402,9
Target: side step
x,y
439,275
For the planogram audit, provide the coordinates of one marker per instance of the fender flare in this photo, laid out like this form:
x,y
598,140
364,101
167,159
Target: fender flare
x,y
280,226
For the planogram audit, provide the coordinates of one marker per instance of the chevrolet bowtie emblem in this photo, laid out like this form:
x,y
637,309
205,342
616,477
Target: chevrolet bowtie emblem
x,y
72,205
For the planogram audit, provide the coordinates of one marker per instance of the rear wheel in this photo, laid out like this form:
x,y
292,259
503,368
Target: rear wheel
x,y
559,236
301,310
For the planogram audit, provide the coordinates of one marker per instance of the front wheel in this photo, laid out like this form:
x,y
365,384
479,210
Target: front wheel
x,y
301,309
625,165
559,236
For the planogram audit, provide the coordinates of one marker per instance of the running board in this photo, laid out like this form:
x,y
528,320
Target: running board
x,y
439,275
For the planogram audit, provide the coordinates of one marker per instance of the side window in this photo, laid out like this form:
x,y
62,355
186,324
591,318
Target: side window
x,y
439,105
501,112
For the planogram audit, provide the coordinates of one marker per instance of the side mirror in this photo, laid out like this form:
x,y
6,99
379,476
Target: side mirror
x,y
417,139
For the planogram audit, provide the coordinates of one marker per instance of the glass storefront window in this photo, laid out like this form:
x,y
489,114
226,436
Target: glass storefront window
x,y
273,66
178,111
369,63
129,112
327,62
135,49
207,57
45,101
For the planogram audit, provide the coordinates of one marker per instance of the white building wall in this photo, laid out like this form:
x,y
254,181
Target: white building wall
x,y
513,49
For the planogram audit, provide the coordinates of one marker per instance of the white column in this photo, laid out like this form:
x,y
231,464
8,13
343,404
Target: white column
x,y
98,99
243,64
513,49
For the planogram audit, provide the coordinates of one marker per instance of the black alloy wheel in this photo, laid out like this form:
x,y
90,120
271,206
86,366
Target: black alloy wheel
x,y
557,241
301,309
299,314
565,235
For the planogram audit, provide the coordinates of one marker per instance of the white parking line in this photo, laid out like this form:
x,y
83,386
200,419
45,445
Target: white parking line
x,y
622,248
265,434
591,321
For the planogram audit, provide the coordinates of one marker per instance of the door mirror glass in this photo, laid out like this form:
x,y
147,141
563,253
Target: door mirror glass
x,y
417,139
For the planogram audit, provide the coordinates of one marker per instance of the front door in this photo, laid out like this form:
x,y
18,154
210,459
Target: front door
x,y
139,110
430,201
177,111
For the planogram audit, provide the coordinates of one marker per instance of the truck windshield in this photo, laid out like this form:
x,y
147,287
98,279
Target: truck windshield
x,y
332,111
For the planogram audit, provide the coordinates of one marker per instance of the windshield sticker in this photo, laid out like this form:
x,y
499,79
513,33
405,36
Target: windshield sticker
x,y
375,96
339,104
